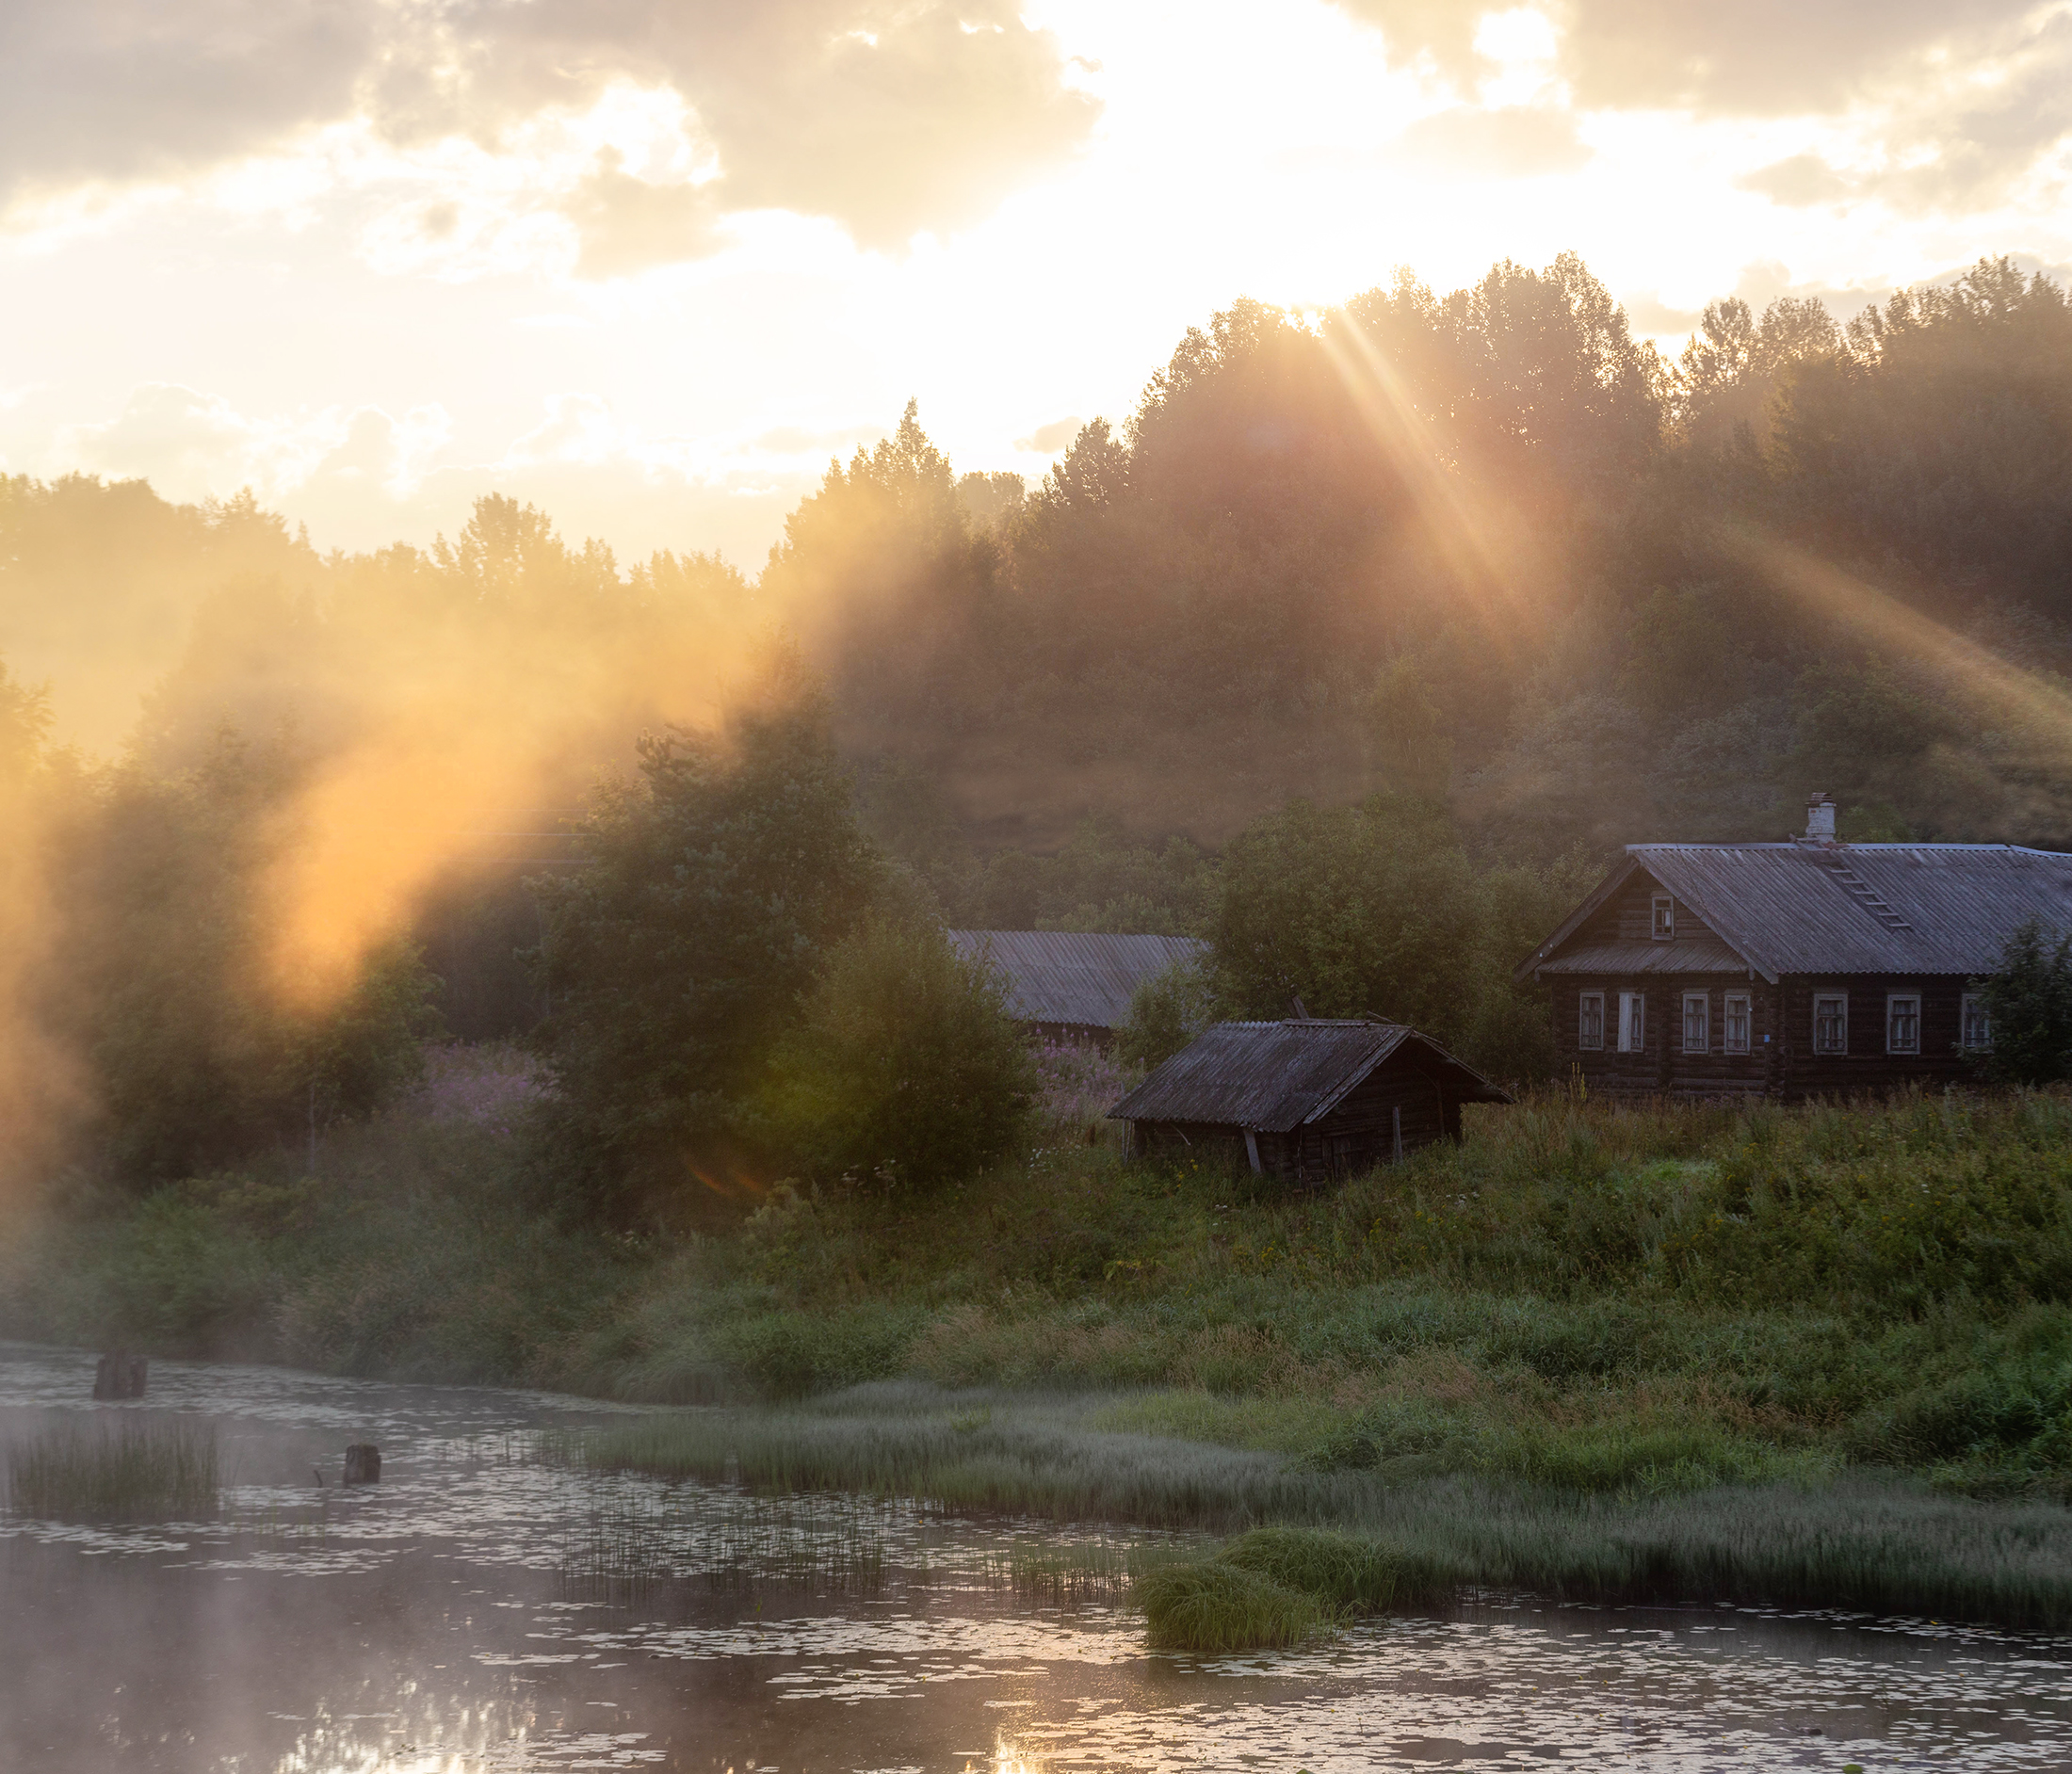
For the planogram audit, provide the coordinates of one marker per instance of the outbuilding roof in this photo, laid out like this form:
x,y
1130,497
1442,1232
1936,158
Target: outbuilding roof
x,y
1074,976
1807,907
1275,1077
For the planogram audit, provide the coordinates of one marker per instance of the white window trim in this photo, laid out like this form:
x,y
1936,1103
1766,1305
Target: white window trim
x,y
1830,1052
1583,1045
1965,1006
1703,999
1661,917
1892,998
1639,1001
1727,1001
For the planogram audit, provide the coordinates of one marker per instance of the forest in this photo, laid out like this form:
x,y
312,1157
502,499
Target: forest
x,y
1357,648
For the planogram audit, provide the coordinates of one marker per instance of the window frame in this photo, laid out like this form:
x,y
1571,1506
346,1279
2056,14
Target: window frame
x,y
1636,1023
1661,916
1704,1001
1727,1001
1831,997
1584,1044
1892,1001
1968,1003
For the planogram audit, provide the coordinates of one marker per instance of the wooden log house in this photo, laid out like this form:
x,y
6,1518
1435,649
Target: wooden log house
x,y
1804,968
1308,1100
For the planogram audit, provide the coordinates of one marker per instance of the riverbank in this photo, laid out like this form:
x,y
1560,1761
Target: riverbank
x,y
1647,1337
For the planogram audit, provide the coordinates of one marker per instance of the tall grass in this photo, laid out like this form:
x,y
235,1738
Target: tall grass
x,y
130,1469
1880,1541
1217,1607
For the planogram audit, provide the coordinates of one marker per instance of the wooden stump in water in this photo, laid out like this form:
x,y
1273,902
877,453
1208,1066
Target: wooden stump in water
x,y
119,1374
363,1465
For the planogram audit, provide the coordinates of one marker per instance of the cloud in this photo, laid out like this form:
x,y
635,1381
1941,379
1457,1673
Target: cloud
x,y
1048,440
123,89
624,224
192,445
1763,58
1513,142
1798,181
1938,106
1653,319
889,117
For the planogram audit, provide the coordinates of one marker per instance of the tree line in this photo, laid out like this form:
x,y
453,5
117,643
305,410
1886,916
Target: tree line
x,y
1354,648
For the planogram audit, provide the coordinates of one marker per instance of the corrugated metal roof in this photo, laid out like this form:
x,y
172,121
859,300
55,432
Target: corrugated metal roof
x,y
1073,976
1276,1076
1696,952
1810,908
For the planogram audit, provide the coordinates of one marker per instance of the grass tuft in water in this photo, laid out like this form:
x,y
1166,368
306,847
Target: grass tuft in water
x,y
132,1469
1343,1570
624,1543
1215,1605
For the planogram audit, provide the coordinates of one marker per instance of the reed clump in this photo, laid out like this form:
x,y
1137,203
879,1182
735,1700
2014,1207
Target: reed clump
x,y
1217,1607
128,1469
1343,1570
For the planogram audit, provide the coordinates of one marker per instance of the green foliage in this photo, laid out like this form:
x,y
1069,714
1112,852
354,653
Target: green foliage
x,y
1166,1011
1413,752
2029,999
716,889
1377,908
903,1066
163,973
1356,910
790,1354
1215,1607
1343,1570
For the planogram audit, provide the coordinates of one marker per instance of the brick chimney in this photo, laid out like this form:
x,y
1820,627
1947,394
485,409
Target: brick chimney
x,y
1820,819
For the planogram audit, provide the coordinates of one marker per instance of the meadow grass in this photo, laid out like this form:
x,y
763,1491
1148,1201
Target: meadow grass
x,y
128,1469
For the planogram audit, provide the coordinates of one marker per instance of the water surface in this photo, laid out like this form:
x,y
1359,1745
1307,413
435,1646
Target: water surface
x,y
458,1619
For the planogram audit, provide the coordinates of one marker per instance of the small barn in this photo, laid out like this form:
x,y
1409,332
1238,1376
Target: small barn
x,y
1072,985
1308,1100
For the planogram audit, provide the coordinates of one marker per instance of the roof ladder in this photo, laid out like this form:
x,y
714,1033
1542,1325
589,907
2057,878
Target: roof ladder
x,y
1864,894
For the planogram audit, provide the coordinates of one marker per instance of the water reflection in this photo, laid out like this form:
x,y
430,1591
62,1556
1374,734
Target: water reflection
x,y
447,1621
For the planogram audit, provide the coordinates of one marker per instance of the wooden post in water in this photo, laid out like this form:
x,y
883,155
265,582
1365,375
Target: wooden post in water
x,y
119,1374
363,1465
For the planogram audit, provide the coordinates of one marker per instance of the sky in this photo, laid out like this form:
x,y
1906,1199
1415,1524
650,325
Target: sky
x,y
651,262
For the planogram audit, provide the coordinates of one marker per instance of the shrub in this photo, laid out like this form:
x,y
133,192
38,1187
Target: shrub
x,y
905,1066
2030,1001
1166,1012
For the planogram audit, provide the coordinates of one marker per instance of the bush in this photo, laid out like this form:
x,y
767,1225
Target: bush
x,y
905,1066
1221,1606
1166,1012
2030,1001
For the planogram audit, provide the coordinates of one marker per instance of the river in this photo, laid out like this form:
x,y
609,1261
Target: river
x,y
478,1610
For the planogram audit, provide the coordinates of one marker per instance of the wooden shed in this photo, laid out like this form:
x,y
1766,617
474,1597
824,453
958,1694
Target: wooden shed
x,y
1806,967
1308,1100
1074,985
